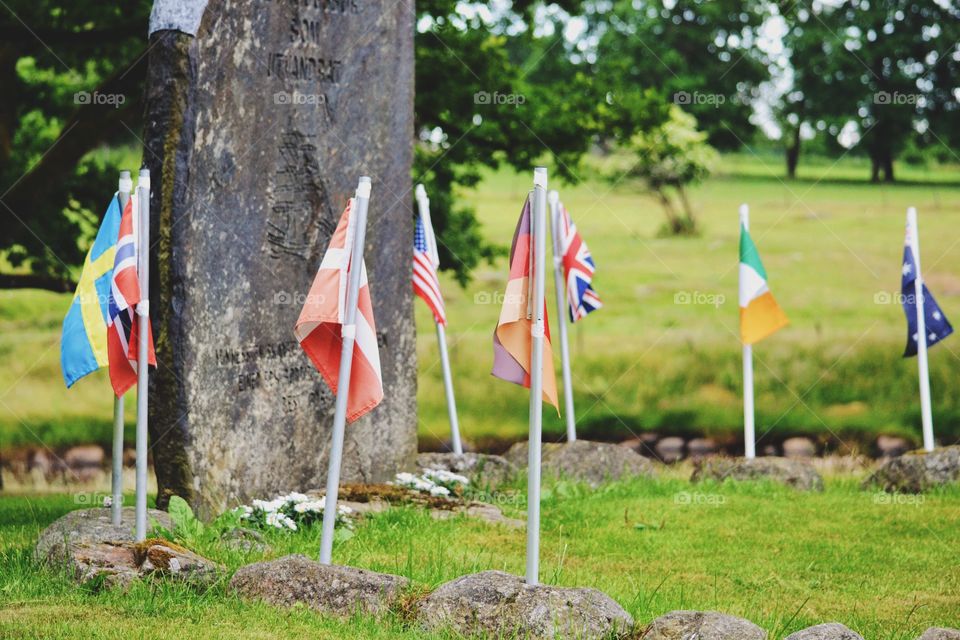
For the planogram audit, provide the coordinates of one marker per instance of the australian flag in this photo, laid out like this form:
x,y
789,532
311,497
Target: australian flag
x,y
937,325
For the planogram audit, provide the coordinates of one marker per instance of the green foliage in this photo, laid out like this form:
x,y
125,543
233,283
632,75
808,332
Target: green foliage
x,y
670,158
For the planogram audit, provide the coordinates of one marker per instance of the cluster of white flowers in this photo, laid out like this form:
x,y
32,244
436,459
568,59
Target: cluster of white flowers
x,y
292,511
438,483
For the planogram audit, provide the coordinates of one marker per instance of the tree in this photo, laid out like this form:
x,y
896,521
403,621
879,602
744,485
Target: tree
x,y
669,159
699,54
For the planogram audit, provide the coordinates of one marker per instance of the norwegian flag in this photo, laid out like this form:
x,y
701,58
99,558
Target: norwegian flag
x,y
425,282
578,269
122,329
320,326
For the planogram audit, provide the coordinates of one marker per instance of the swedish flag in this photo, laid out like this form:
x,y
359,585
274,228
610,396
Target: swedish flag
x,y
83,344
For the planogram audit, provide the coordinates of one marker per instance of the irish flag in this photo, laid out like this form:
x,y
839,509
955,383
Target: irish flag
x,y
760,315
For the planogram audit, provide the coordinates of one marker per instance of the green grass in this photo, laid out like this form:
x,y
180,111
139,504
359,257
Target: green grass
x,y
885,567
831,244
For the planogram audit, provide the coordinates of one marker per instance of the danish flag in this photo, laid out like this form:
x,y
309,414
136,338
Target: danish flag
x,y
425,282
320,326
122,329
578,269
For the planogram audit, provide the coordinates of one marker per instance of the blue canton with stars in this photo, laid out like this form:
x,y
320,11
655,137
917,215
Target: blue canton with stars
x,y
938,327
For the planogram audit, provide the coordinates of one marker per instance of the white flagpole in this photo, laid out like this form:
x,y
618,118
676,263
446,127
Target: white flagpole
x,y
143,328
116,476
349,335
926,412
749,435
423,204
554,199
538,227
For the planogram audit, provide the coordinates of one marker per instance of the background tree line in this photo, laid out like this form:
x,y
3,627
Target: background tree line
x,y
660,79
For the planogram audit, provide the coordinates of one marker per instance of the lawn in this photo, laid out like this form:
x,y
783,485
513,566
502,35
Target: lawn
x,y
886,566
663,353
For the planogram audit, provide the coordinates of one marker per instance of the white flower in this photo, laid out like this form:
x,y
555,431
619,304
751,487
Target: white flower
x,y
445,477
296,497
438,491
314,506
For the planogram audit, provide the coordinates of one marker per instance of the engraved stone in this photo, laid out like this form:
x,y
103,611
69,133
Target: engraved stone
x,y
257,130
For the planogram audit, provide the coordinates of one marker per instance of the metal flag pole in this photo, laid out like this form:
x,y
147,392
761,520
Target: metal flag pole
x,y
348,335
538,227
116,476
749,436
926,412
557,223
423,205
143,337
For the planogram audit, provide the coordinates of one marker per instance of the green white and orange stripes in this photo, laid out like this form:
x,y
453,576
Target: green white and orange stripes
x,y
760,315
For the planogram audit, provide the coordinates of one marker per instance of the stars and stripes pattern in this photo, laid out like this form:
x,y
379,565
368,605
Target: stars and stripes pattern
x,y
425,263
320,327
122,331
937,325
578,268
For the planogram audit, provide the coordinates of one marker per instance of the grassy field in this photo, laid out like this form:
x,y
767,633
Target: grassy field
x,y
663,353
883,565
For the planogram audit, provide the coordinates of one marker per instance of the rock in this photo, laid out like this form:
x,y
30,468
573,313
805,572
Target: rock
x,y
702,447
496,604
255,134
793,473
87,527
163,558
917,471
769,450
940,633
332,589
826,631
590,462
482,469
892,446
670,449
702,625
643,443
799,447
481,511
244,539
84,456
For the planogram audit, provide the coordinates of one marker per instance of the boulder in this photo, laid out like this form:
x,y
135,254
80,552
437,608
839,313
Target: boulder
x,y
590,462
84,456
918,471
793,473
244,539
826,631
892,446
702,625
799,447
940,633
482,469
489,513
670,449
332,589
497,604
89,527
702,447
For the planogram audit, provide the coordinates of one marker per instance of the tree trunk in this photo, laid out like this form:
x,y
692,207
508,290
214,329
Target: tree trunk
x,y
888,167
874,168
793,154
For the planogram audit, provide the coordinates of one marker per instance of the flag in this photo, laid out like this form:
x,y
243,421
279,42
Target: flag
x,y
320,326
760,315
123,331
512,340
425,282
938,327
578,269
83,341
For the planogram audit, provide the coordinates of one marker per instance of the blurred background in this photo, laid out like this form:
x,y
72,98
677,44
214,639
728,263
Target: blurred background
x,y
656,120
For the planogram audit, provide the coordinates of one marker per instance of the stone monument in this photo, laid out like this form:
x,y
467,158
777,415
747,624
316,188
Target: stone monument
x,y
261,115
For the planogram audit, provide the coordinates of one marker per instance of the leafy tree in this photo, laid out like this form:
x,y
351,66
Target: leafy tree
x,y
700,54
670,158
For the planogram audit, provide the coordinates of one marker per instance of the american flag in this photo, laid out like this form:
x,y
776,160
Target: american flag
x,y
425,282
937,325
320,327
578,269
122,329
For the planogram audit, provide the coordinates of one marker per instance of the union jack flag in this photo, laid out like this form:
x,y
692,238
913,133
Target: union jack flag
x,y
425,282
124,296
578,269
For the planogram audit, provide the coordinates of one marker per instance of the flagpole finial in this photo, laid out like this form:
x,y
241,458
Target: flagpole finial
x,y
553,197
420,192
126,183
540,177
363,187
745,215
